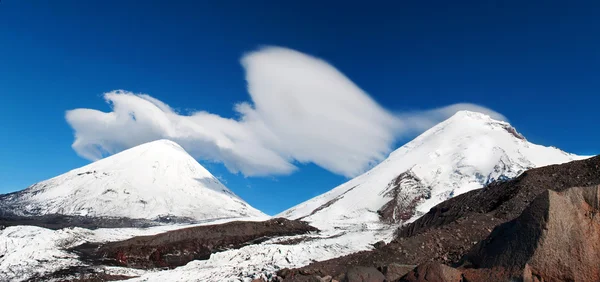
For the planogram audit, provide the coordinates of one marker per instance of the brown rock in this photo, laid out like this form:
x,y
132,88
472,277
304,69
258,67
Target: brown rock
x,y
178,247
363,274
394,271
433,272
554,239
303,278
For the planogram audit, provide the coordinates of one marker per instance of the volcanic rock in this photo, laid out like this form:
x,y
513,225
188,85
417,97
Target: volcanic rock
x,y
433,272
395,271
178,247
554,239
363,274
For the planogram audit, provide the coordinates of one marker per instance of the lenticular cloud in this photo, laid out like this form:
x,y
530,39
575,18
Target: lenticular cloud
x,y
301,109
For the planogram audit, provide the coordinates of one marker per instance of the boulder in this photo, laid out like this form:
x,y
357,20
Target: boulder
x,y
363,274
394,271
433,272
554,239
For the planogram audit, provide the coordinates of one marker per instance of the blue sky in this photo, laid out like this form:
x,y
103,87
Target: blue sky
x,y
537,63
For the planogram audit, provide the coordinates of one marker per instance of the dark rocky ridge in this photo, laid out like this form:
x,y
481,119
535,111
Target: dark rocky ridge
x,y
449,230
79,274
554,239
178,247
506,200
59,221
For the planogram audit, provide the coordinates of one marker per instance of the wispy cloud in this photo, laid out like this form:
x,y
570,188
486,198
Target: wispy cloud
x,y
302,110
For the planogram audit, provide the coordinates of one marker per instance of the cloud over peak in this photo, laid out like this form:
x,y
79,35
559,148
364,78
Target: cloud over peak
x,y
302,109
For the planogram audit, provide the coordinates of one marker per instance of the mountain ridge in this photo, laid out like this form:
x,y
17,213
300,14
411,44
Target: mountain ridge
x,y
462,153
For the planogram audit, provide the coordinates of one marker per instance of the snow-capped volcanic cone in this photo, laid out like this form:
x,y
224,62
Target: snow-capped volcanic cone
x,y
463,153
149,181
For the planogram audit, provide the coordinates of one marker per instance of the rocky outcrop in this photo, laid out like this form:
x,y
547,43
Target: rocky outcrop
x,y
505,200
451,229
363,274
178,247
406,192
433,272
59,221
395,271
554,239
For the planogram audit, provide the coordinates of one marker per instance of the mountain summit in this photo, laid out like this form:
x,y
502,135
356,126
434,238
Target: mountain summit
x,y
152,180
460,154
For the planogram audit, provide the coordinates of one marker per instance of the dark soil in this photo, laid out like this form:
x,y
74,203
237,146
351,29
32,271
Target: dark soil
x,y
59,221
178,247
79,274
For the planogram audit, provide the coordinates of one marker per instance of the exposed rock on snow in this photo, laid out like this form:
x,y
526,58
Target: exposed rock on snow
x,y
30,252
406,192
60,221
265,259
178,247
156,180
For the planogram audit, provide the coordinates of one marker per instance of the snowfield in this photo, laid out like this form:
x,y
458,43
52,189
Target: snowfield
x,y
265,259
28,251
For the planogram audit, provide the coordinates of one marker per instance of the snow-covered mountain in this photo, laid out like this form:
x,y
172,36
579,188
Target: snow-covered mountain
x,y
460,154
148,181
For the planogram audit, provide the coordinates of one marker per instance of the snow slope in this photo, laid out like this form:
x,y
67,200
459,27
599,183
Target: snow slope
x,y
463,153
256,261
148,181
28,252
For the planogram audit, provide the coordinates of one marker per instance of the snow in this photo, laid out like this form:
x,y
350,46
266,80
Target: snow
x,y
29,251
151,180
268,257
25,248
463,153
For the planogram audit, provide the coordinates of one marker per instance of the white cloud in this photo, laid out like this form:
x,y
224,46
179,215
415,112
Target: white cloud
x,y
302,110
